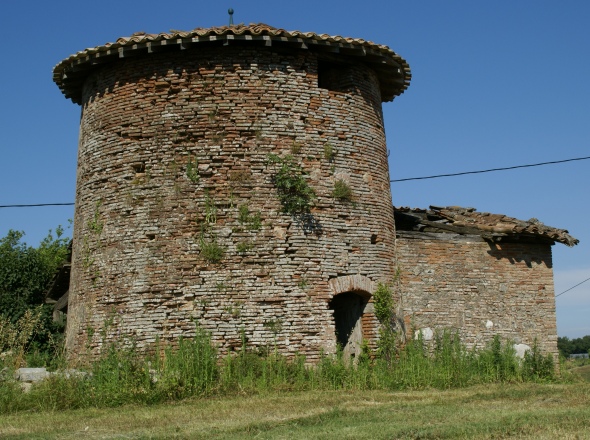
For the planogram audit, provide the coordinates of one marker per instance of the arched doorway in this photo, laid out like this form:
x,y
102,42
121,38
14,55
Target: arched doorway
x,y
348,310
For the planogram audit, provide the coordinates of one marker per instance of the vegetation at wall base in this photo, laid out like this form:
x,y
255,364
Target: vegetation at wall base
x,y
193,369
387,347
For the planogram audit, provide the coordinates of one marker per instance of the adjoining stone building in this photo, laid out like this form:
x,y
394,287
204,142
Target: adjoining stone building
x,y
478,274
191,145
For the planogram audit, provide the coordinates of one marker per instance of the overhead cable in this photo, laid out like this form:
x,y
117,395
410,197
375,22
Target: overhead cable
x,y
392,181
573,287
36,204
490,170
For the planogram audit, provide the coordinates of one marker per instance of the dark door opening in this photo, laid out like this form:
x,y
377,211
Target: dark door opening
x,y
348,312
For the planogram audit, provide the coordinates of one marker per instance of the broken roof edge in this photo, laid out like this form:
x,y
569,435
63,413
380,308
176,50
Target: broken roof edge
x,y
468,221
394,71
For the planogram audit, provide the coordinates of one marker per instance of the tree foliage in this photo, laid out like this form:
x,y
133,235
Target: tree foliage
x,y
25,273
569,346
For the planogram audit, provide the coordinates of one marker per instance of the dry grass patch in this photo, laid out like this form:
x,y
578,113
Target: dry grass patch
x,y
529,411
583,372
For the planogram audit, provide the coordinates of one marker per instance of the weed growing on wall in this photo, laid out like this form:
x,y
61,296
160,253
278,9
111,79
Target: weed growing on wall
x,y
294,192
303,284
210,210
253,221
192,170
95,224
211,251
244,246
329,152
342,191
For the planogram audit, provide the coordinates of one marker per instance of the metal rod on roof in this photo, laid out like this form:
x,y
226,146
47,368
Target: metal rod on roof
x,y
230,11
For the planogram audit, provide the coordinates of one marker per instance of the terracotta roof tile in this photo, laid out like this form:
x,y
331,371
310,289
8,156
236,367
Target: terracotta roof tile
x,y
393,71
486,223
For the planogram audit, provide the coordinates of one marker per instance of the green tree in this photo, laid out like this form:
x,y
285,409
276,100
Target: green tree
x,y
25,273
569,346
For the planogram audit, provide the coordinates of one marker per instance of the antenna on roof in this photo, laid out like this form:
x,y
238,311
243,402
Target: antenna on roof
x,y
230,11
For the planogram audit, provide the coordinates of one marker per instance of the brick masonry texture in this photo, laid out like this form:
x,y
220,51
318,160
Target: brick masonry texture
x,y
477,288
173,165
142,222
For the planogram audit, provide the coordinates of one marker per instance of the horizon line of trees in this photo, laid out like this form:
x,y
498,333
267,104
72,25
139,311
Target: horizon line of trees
x,y
567,346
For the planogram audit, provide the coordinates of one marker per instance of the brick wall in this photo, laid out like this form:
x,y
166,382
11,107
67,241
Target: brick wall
x,y
141,221
478,288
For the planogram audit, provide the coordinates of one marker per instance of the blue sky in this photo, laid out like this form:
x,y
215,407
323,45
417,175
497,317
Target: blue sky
x,y
494,84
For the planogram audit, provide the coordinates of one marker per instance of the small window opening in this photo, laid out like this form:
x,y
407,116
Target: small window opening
x,y
373,238
138,167
335,77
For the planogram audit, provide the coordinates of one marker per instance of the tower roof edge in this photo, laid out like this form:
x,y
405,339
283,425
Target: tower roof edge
x,y
393,71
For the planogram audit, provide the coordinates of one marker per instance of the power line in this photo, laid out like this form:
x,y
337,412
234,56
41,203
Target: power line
x,y
36,204
572,287
394,180
490,170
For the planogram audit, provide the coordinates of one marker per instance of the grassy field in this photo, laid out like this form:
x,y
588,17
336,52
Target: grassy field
x,y
583,372
525,411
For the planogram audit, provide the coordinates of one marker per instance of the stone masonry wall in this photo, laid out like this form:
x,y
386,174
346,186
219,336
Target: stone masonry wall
x,y
143,215
477,288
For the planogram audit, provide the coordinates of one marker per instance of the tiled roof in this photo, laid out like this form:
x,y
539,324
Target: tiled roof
x,y
469,221
393,71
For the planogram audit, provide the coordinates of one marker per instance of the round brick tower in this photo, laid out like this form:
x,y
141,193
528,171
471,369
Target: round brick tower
x,y
232,177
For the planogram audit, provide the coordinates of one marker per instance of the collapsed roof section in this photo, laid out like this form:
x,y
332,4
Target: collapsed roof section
x,y
393,71
467,221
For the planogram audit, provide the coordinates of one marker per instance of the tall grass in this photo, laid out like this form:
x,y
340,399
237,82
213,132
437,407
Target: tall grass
x,y
193,369
15,338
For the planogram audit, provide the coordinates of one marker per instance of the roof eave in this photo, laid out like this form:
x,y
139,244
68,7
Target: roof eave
x,y
393,71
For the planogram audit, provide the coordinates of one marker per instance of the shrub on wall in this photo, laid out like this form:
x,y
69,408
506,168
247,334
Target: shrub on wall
x,y
294,192
342,191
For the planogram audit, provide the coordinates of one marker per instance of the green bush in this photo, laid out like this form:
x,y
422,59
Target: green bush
x,y
536,366
384,307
